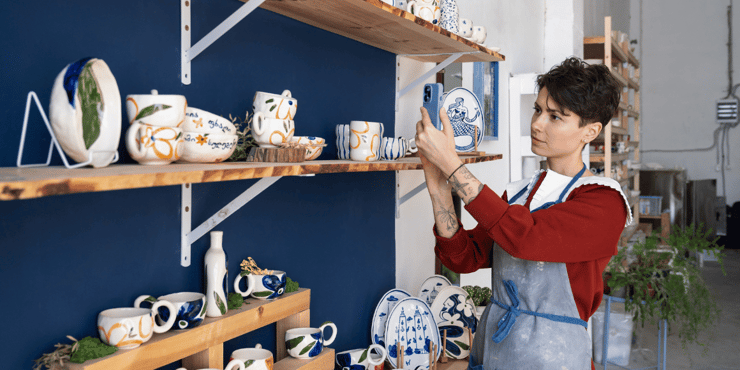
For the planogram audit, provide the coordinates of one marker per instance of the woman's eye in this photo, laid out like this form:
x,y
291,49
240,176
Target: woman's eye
x,y
536,110
554,117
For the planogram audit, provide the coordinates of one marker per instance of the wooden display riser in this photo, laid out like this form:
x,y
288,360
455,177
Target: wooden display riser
x,y
203,346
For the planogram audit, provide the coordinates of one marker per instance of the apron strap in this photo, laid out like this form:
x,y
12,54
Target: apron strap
x,y
513,311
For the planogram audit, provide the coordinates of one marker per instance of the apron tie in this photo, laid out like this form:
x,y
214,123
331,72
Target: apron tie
x,y
513,311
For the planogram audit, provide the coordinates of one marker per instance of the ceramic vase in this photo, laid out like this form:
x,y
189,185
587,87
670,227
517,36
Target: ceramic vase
x,y
450,16
216,277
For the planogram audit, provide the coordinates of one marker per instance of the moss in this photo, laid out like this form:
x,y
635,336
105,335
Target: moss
x,y
89,349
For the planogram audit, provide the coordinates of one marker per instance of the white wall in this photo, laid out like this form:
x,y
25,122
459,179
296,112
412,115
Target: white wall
x,y
684,72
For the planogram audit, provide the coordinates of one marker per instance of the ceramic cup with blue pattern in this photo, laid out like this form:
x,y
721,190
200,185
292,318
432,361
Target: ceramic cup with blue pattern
x,y
190,308
262,286
308,342
362,358
342,132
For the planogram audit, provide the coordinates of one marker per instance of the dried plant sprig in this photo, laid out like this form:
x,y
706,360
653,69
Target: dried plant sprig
x,y
60,355
245,141
250,267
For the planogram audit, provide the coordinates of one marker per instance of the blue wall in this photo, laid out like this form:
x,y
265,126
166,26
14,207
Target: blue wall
x,y
66,258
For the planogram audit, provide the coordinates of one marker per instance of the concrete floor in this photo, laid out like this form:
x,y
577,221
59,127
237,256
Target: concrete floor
x,y
722,350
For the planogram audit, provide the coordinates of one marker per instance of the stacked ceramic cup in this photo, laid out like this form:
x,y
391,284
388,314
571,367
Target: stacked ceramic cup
x,y
155,135
272,123
207,137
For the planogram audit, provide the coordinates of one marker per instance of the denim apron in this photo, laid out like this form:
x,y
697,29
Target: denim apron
x,y
533,322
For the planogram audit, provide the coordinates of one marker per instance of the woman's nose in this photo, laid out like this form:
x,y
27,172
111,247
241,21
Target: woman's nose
x,y
537,122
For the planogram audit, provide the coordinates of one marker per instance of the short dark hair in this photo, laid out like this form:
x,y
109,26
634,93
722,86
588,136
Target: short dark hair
x,y
590,91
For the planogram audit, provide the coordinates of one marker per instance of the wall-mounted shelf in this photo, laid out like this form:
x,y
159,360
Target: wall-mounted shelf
x,y
202,346
599,157
593,48
28,183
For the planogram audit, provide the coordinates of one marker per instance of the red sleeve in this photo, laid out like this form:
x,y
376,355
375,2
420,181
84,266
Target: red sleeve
x,y
585,227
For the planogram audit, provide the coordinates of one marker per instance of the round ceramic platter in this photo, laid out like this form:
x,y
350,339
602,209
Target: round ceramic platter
x,y
466,113
454,312
411,325
384,307
431,287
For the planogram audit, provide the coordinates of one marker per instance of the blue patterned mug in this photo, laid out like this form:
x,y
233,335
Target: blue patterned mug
x,y
362,358
308,342
190,307
262,286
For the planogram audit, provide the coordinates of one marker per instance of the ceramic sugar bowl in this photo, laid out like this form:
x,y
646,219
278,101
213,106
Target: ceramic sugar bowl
x,y
156,110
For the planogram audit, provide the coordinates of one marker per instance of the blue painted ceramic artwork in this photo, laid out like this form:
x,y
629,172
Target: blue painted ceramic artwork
x,y
454,313
431,286
411,325
466,114
382,309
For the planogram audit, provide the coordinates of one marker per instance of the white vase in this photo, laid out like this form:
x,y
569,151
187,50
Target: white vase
x,y
216,277
450,16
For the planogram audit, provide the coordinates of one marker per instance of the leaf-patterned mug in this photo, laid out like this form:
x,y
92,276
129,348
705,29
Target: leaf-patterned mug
x,y
262,286
276,106
361,359
271,132
254,358
308,342
157,110
190,308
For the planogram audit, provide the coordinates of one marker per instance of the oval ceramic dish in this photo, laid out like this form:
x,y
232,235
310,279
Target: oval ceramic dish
x,y
431,287
466,113
411,325
382,309
454,312
85,111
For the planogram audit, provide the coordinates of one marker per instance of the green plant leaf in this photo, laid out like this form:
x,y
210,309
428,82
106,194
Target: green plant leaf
x,y
307,348
154,108
462,345
290,344
363,356
150,299
91,105
203,311
219,303
262,294
269,100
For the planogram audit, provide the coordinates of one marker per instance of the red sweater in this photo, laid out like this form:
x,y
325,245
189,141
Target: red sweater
x,y
582,232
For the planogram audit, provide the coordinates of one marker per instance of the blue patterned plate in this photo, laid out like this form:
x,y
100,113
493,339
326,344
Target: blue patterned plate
x,y
454,312
431,287
466,113
384,307
411,325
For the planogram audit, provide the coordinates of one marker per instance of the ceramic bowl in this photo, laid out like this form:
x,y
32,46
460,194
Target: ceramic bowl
x,y
128,327
314,145
156,110
198,120
85,111
201,147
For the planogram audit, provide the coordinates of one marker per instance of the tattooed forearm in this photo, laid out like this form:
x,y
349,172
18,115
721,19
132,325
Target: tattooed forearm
x,y
465,185
448,218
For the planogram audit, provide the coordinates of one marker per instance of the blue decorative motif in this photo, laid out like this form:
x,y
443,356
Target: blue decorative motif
x,y
344,360
188,316
316,350
461,123
71,76
274,284
452,345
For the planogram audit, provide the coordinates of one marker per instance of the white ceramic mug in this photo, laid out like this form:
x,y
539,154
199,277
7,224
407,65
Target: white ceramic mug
x,y
364,140
190,308
424,9
306,343
479,34
232,365
465,27
254,358
276,106
270,132
129,327
198,120
262,286
156,110
342,132
393,148
363,358
154,145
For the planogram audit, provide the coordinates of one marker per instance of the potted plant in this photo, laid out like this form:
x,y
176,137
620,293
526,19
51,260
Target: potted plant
x,y
481,296
663,281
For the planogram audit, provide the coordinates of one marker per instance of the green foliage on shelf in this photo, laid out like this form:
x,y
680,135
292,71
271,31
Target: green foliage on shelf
x,y
479,295
290,285
245,140
235,301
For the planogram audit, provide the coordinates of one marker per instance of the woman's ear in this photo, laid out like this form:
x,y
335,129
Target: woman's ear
x,y
592,131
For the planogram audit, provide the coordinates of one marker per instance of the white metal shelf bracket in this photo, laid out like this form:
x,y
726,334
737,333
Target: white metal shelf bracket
x,y
188,53
188,237
402,199
401,92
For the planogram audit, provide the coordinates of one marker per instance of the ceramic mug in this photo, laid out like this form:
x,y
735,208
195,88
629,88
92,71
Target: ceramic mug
x,y
198,120
479,34
424,9
129,327
364,140
270,132
393,148
262,286
306,343
361,359
342,132
465,27
200,147
276,106
154,145
190,308
232,365
254,358
156,110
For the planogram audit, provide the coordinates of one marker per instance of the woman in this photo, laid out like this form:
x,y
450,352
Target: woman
x,y
547,239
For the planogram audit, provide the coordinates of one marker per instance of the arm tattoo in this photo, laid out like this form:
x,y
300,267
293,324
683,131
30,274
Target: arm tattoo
x,y
459,186
448,217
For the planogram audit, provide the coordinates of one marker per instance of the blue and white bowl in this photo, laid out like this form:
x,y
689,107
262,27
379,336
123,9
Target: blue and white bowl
x,y
190,307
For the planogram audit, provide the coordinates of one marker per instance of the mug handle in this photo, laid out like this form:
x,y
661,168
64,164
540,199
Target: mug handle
x,y
412,146
250,285
286,93
333,332
410,5
133,147
142,298
173,315
235,364
257,126
380,349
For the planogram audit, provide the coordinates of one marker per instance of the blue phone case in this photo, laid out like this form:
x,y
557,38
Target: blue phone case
x,y
433,102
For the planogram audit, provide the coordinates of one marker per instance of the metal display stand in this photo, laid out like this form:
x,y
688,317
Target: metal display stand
x,y
662,338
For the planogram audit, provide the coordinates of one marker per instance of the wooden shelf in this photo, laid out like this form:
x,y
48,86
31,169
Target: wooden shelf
x,y
616,130
620,78
195,346
633,84
28,183
616,157
453,365
593,48
386,27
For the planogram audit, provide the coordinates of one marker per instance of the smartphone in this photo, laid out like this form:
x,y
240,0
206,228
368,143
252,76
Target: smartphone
x,y
433,102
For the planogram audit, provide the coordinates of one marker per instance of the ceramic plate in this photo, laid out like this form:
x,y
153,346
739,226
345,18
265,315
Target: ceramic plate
x,y
454,312
411,325
466,113
384,307
431,287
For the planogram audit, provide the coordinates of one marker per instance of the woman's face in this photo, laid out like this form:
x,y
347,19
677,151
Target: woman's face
x,y
555,131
